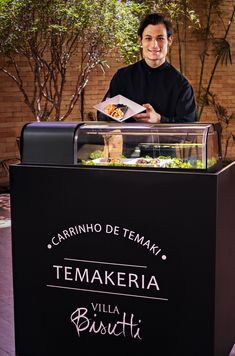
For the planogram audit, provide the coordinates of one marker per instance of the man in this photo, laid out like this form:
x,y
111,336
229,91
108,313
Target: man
x,y
153,82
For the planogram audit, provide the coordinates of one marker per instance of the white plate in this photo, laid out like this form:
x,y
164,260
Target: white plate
x,y
161,162
133,108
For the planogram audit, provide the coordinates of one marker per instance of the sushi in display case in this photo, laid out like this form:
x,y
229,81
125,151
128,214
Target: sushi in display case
x,y
169,146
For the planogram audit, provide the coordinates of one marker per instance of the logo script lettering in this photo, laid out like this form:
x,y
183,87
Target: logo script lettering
x,y
125,327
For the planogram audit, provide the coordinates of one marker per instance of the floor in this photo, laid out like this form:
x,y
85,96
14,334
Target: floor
x,y
6,289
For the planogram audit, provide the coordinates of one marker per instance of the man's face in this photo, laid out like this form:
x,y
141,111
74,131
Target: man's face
x,y
155,44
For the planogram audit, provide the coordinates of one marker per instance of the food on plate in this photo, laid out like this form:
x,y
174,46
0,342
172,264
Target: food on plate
x,y
118,113
109,109
159,162
116,110
96,154
142,161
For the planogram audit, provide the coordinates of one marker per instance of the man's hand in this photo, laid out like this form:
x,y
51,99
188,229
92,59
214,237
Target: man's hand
x,y
150,116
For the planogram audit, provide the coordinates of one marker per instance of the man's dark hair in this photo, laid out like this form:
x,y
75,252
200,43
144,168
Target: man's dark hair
x,y
155,19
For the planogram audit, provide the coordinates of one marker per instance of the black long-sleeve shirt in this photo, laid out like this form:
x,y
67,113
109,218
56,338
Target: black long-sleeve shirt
x,y
165,88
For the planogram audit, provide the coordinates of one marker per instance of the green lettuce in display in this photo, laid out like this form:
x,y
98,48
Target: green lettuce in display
x,y
159,162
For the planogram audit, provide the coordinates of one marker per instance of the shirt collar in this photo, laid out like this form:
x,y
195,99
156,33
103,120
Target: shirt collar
x,y
157,69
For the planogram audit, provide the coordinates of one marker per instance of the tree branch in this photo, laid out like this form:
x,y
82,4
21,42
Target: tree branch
x,y
216,64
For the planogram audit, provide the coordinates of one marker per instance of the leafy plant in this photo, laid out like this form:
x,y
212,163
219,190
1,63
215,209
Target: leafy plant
x,y
225,118
48,34
221,49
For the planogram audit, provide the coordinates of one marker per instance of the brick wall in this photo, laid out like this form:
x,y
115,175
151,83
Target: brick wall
x,y
14,113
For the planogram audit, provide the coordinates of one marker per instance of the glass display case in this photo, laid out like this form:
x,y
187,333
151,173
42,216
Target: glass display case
x,y
193,146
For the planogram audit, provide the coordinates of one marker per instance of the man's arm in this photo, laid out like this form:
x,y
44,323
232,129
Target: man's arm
x,y
185,110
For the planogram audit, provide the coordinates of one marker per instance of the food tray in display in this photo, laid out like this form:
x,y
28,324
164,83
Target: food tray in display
x,y
132,107
145,162
159,162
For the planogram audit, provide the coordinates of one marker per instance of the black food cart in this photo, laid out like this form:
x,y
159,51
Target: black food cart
x,y
123,241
